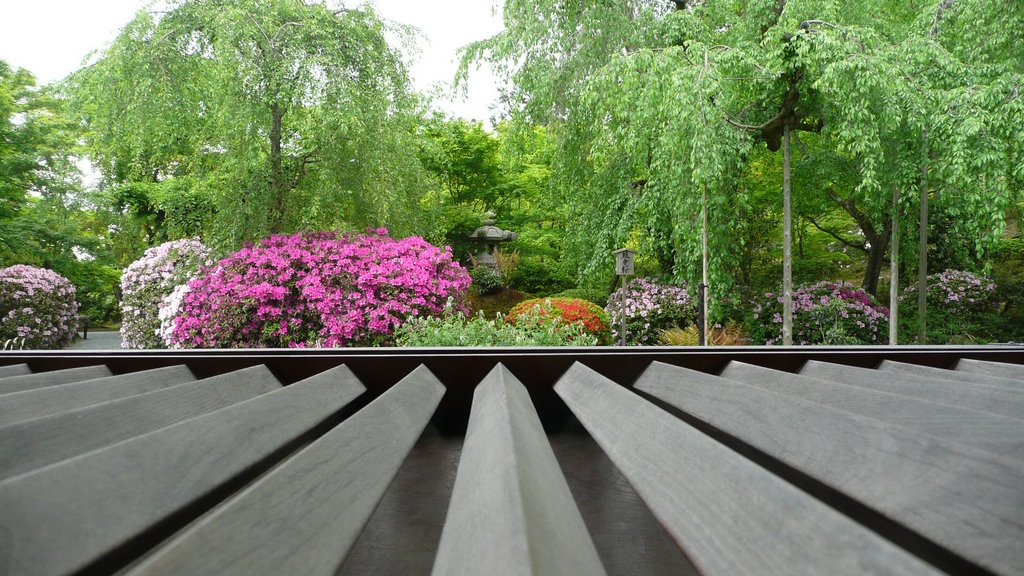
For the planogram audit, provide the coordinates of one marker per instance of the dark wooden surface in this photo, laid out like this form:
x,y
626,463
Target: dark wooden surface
x,y
730,516
992,399
303,516
964,501
31,404
996,434
29,445
80,514
737,478
511,510
54,378
953,375
998,369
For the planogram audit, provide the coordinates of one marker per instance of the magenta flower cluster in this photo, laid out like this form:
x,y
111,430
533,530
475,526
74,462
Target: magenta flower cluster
x,y
318,289
148,281
823,313
37,308
649,308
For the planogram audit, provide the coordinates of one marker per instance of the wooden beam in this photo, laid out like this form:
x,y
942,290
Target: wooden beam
x,y
14,370
304,516
984,398
986,368
730,516
996,434
30,404
29,445
511,511
954,375
53,378
69,517
965,502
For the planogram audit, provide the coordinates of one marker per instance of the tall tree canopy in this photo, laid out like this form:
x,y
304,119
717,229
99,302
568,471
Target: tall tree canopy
x,y
657,107
286,114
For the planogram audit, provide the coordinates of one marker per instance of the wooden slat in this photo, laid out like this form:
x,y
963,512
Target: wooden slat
x,y
987,368
953,375
30,404
54,378
304,516
991,399
64,518
14,370
511,511
996,434
30,445
962,499
728,514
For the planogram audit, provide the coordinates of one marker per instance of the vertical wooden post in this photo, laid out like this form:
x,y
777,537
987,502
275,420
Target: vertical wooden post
x,y
894,268
702,340
787,241
922,246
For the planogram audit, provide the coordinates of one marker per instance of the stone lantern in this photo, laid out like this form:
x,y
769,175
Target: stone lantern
x,y
489,236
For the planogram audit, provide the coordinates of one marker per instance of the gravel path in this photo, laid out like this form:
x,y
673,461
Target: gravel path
x,y
105,340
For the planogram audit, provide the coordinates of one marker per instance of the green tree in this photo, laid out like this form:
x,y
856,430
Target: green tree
x,y
286,114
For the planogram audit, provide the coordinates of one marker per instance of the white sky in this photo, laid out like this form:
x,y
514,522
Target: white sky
x,y
51,37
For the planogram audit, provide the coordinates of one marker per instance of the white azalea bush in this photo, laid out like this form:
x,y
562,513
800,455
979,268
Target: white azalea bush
x,y
147,286
37,308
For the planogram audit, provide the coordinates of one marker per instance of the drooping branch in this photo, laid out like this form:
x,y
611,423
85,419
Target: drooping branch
x,y
845,241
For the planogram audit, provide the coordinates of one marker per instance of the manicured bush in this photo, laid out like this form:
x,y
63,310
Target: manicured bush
x,y
485,280
960,309
651,307
37,308
148,281
318,289
593,319
823,313
595,295
530,328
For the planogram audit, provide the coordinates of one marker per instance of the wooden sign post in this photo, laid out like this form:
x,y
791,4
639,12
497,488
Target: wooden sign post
x,y
624,267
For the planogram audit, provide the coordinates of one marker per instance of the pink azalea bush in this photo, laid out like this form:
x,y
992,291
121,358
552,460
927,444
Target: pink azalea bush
x,y
651,307
959,308
318,289
823,313
37,308
147,282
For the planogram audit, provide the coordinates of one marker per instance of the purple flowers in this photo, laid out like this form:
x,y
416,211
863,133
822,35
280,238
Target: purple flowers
x,y
148,282
823,313
650,307
37,307
317,289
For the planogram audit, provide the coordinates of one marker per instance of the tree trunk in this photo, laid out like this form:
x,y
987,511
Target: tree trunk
x,y
277,185
922,245
894,267
704,272
787,241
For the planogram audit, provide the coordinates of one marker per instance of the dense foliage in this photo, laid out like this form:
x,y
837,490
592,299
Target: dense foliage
x,y
650,307
588,315
37,308
823,313
960,308
533,327
242,118
318,289
149,281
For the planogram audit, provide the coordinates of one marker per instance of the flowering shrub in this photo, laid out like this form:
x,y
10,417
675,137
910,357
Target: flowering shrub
x,y
317,289
958,305
37,307
823,313
588,315
148,281
530,328
651,307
